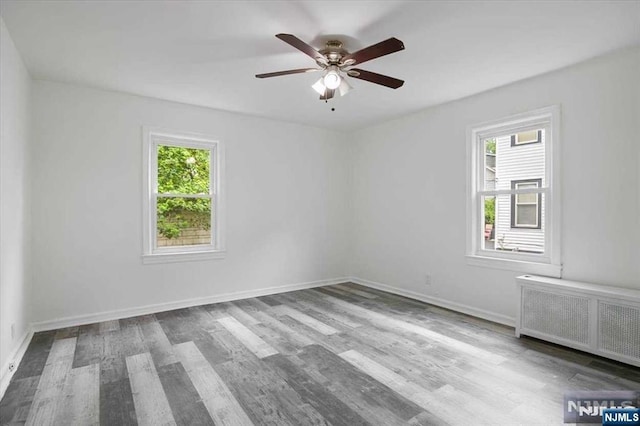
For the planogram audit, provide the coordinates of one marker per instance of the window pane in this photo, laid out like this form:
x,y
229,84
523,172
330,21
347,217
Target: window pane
x,y
504,162
526,137
527,215
527,198
490,164
489,222
183,170
499,235
183,221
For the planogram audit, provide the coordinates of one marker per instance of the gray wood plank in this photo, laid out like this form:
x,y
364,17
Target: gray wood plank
x,y
239,314
45,402
305,319
401,385
454,344
111,325
116,404
264,391
345,320
297,339
132,341
89,346
180,326
65,333
203,318
16,403
118,344
335,342
156,341
150,401
248,338
186,405
367,394
263,394
80,402
216,396
36,355
356,291
334,410
269,300
255,302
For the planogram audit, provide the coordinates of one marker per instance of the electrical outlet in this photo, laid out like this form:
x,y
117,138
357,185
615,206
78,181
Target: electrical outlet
x,y
12,366
427,279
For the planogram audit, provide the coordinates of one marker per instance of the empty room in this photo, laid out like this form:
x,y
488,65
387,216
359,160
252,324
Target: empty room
x,y
319,212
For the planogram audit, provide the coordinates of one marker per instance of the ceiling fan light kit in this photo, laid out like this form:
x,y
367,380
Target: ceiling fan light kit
x,y
334,61
332,78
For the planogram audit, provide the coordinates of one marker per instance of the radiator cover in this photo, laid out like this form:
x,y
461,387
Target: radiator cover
x,y
602,320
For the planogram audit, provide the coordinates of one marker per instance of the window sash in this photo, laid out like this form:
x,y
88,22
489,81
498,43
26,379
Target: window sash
x,y
181,249
163,140
182,141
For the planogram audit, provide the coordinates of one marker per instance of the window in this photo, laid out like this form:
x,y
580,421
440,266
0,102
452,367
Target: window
x,y
523,138
514,193
183,206
526,209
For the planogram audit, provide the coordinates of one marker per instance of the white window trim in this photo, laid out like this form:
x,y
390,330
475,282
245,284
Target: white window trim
x,y
548,264
216,250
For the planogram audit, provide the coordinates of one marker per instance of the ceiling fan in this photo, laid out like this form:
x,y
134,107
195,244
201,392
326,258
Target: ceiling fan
x,y
334,61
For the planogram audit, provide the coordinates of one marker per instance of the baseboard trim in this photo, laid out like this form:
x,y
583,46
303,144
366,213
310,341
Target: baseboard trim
x,y
454,306
160,307
16,358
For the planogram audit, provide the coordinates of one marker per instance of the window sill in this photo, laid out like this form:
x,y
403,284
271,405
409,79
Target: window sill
x,y
536,268
182,257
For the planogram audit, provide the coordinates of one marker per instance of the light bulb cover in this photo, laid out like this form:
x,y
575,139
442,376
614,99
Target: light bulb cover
x,y
319,86
344,87
332,78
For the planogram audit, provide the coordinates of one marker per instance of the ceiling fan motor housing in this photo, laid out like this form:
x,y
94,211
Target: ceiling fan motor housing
x,y
333,51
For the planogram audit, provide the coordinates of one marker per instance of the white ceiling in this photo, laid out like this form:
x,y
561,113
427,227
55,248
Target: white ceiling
x,y
207,52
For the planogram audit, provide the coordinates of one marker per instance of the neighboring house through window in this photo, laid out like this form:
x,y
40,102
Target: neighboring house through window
x,y
514,207
183,205
526,209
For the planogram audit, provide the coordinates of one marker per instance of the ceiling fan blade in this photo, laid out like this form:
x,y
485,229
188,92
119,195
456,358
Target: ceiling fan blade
x,y
328,94
373,77
279,73
386,47
302,46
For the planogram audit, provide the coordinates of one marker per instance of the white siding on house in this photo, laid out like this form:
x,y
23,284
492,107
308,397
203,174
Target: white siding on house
x,y
513,163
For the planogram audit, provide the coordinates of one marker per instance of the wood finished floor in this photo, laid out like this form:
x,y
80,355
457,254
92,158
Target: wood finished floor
x,y
340,355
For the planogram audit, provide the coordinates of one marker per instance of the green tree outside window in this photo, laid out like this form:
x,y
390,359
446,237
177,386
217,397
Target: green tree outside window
x,y
183,171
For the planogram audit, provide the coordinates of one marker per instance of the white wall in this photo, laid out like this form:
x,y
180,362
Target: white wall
x,y
410,179
15,86
286,203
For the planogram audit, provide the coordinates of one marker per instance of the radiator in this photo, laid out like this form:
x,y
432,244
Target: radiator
x,y
599,319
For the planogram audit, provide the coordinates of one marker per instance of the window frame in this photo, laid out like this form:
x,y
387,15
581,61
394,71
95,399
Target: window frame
x,y
515,204
549,263
152,138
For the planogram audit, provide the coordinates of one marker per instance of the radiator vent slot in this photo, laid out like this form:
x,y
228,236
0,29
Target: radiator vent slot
x,y
560,315
619,329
